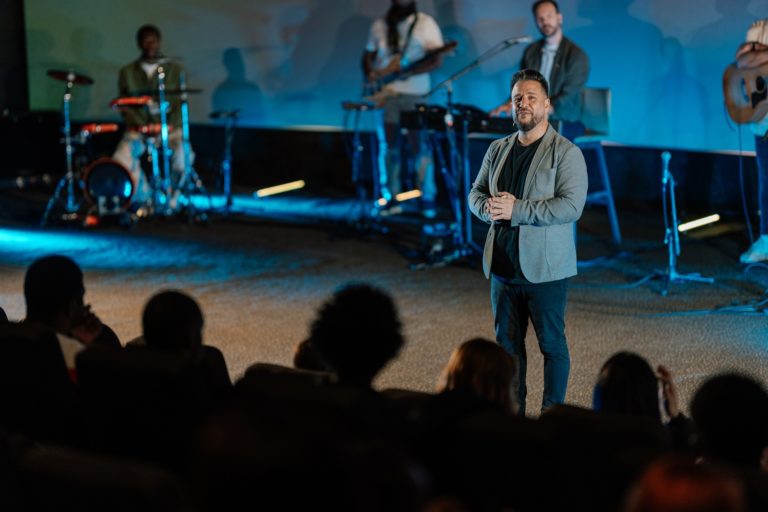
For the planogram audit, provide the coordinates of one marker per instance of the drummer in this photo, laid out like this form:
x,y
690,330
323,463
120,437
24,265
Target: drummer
x,y
139,78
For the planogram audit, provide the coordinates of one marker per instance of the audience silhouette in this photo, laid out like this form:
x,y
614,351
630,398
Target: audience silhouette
x,y
166,403
357,332
678,484
730,412
54,293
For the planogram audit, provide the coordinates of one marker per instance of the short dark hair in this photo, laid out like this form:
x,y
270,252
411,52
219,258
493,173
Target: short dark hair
x,y
542,2
146,30
357,331
50,285
172,321
530,74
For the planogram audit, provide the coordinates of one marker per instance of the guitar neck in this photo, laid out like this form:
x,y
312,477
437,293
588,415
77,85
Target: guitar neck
x,y
408,70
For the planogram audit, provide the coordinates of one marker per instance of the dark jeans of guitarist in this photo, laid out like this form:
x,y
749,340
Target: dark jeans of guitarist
x,y
761,152
397,149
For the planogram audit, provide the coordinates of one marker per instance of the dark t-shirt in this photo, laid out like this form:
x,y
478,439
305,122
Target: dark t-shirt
x,y
506,262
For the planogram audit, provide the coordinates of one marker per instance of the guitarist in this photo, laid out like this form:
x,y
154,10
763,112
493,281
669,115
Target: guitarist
x,y
403,36
753,53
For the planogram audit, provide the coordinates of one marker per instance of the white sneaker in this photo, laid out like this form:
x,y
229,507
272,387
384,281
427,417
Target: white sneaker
x,y
757,252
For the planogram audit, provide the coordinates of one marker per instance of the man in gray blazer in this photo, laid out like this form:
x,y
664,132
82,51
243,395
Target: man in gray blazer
x,y
564,65
531,188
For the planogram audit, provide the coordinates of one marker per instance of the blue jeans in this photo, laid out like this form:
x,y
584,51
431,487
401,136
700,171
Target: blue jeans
x,y
761,150
544,304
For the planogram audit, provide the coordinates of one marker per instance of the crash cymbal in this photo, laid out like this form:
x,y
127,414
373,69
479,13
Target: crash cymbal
x,y
69,76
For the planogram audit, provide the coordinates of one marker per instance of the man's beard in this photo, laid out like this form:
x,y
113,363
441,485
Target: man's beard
x,y
530,124
549,30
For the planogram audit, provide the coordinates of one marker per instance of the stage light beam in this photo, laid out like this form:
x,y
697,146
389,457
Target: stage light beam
x,y
687,226
279,189
410,194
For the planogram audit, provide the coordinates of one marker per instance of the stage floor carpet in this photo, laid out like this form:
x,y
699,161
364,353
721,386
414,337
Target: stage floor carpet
x,y
260,274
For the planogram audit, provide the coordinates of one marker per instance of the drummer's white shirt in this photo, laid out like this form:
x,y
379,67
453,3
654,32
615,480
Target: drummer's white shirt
x,y
149,68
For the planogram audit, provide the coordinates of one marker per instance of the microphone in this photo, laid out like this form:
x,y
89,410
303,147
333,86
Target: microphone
x,y
518,40
665,157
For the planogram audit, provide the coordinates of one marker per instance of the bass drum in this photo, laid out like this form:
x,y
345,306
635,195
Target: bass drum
x,y
108,185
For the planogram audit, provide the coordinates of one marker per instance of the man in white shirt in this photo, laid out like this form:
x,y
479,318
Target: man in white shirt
x,y
397,41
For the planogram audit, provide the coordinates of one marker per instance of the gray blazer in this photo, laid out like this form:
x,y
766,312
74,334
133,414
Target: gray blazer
x,y
553,198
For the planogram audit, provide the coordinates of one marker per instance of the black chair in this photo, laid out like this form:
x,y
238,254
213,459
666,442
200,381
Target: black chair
x,y
37,395
143,403
602,454
494,461
53,479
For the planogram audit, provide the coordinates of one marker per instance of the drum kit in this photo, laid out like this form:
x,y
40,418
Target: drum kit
x,y
105,188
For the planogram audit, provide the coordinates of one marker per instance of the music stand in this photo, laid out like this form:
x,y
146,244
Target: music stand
x,y
458,161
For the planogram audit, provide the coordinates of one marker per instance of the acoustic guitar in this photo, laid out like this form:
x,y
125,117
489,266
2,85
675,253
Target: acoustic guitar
x,y
746,91
374,88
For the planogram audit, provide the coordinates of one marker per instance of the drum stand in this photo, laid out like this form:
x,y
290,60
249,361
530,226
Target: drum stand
x,y
164,106
671,234
69,182
189,182
159,197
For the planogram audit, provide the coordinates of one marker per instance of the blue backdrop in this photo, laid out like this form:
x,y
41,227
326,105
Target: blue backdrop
x,y
290,63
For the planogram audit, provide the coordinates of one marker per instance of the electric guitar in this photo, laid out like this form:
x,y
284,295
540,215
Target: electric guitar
x,y
374,88
746,91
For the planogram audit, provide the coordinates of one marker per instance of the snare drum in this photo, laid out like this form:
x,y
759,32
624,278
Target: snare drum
x,y
108,185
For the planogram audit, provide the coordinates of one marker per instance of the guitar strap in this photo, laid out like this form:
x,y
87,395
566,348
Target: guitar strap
x,y
401,50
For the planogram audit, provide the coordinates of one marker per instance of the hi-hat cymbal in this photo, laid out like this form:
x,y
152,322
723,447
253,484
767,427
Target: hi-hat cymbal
x,y
69,76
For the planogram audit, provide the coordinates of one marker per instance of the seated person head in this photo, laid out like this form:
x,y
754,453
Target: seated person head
x,y
173,322
54,292
357,332
674,484
627,385
3,316
484,369
730,414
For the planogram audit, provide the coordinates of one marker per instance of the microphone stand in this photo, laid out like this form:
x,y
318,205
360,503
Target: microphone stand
x,y
465,246
671,233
